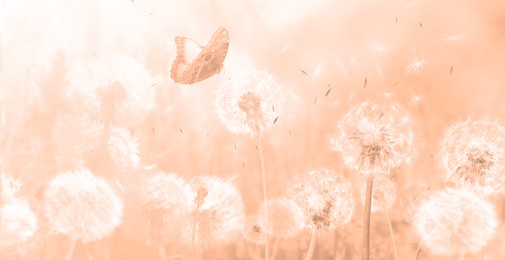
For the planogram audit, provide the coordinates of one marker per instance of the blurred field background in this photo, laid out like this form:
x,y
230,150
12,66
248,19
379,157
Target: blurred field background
x,y
441,60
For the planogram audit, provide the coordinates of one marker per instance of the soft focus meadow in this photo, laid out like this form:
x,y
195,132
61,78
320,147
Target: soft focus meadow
x,y
328,117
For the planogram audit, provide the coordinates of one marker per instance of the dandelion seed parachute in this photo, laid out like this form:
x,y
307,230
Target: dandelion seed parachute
x,y
455,222
167,202
249,102
325,198
374,139
473,156
82,206
219,215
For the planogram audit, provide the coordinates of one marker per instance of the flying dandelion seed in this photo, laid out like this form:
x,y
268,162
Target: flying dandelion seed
x,y
82,206
455,222
244,102
285,218
379,49
374,139
473,155
219,215
417,61
383,194
324,197
416,98
454,38
114,88
167,201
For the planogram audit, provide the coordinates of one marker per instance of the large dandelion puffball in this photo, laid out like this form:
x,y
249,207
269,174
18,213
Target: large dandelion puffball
x,y
167,202
383,194
455,222
249,102
115,88
325,198
17,222
373,138
82,206
473,156
218,212
285,218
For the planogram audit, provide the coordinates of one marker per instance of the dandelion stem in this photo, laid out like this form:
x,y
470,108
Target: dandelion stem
x,y
312,245
392,233
418,250
263,177
162,252
274,248
366,226
70,249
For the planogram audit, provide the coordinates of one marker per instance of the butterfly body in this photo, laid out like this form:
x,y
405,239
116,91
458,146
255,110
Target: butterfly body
x,y
194,62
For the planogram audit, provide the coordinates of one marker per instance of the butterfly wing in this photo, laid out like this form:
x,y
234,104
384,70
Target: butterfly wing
x,y
214,54
188,51
195,63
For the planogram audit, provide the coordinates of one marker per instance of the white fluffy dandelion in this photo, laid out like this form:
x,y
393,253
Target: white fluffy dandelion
x,y
325,198
285,217
166,203
473,155
113,88
455,222
218,212
374,138
249,102
82,206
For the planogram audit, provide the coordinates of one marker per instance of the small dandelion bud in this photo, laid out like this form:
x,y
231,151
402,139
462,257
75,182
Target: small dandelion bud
x,y
473,156
217,210
455,222
166,204
82,206
324,197
249,102
383,194
285,218
374,139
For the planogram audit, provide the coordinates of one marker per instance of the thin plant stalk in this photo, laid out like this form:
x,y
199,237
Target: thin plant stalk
x,y
392,233
366,226
70,249
418,250
274,248
162,252
312,245
264,182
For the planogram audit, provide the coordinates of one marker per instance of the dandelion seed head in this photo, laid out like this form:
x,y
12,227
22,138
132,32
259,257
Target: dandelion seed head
x,y
383,194
455,222
166,204
255,230
244,102
82,206
285,218
473,155
116,87
374,139
18,222
219,215
325,198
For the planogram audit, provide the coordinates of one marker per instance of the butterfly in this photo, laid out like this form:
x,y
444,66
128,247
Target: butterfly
x,y
194,62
